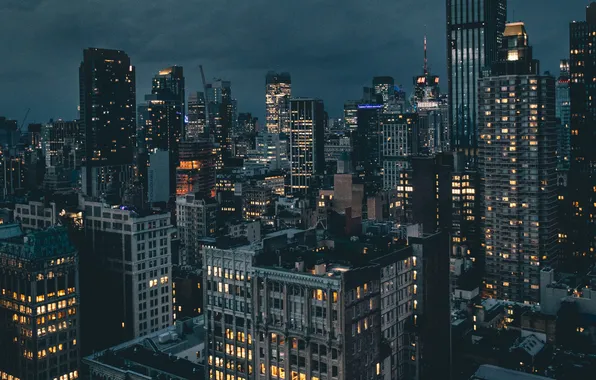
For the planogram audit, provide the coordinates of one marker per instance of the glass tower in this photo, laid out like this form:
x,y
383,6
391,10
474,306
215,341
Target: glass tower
x,y
474,34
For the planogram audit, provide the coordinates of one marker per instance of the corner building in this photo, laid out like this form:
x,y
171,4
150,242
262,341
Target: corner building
x,y
39,305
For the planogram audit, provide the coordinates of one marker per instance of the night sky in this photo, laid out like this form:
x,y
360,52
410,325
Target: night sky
x,y
332,48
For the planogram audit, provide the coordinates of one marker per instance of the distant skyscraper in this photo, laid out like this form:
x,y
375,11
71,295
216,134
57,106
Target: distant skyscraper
x,y
197,120
398,145
107,107
278,90
474,34
383,87
517,162
247,123
307,142
351,114
161,119
107,114
39,305
582,174
196,168
221,118
367,142
564,117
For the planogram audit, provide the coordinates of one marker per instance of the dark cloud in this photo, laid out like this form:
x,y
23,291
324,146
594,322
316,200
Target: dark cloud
x,y
332,48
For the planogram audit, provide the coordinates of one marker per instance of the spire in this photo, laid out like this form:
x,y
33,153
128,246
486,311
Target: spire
x,y
425,57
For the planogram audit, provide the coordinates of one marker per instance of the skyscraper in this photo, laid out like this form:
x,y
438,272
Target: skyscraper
x,y
383,87
107,110
197,119
474,33
39,305
161,119
221,118
517,162
582,174
564,117
278,90
307,142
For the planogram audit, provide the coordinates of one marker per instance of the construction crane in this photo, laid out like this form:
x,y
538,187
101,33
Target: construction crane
x,y
24,120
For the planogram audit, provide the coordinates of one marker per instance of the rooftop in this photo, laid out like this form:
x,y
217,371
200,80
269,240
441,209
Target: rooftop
x,y
51,242
166,351
491,372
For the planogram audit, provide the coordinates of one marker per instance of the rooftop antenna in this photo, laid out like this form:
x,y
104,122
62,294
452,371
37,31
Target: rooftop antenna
x,y
425,57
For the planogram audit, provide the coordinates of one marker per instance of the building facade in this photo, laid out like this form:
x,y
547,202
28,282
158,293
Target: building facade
x,y
278,91
129,253
474,34
39,305
195,218
107,110
307,142
582,174
517,159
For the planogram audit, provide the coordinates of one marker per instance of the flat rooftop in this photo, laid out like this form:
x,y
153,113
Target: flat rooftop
x,y
147,353
491,372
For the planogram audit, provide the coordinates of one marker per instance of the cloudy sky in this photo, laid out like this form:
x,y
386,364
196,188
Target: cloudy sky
x,y
332,48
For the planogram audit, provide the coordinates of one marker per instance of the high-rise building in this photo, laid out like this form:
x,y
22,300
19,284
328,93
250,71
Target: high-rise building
x,y
398,145
351,114
161,119
129,254
196,168
39,305
61,143
221,118
307,142
563,112
107,111
367,143
246,123
278,90
383,88
582,174
474,34
517,161
197,118
195,219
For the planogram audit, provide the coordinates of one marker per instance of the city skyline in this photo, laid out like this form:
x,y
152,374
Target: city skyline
x,y
334,68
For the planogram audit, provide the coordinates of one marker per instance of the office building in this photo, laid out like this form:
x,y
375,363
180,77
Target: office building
x,y
195,219
229,325
196,168
351,114
197,118
383,89
278,91
126,264
399,143
472,26
255,201
39,305
161,119
368,149
36,215
517,161
221,118
582,174
62,143
317,322
563,113
307,142
107,113
9,133
247,124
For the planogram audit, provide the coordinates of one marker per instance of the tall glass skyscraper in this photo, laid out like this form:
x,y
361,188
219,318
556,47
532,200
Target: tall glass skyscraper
x,y
563,116
474,34
582,174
